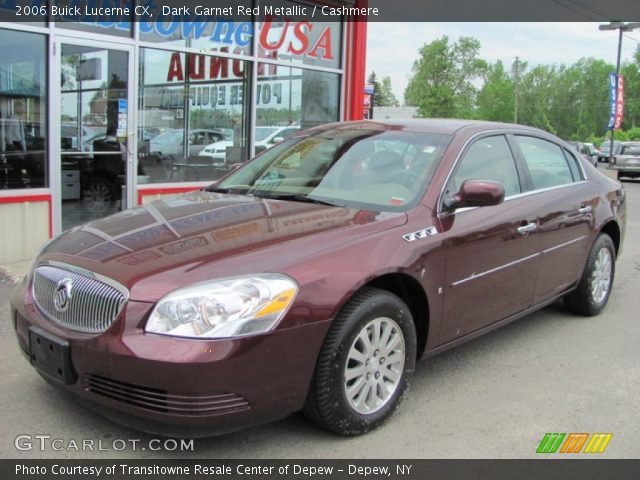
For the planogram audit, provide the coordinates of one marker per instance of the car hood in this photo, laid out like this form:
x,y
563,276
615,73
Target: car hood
x,y
184,239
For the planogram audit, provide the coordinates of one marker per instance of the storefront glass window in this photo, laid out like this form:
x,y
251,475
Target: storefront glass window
x,y
118,28
23,110
192,115
293,99
231,36
297,41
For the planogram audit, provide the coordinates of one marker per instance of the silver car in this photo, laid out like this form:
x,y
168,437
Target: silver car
x,y
627,162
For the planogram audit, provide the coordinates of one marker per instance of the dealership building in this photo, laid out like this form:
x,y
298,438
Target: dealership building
x,y
100,116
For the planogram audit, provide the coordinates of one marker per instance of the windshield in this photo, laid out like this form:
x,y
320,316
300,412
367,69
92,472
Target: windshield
x,y
264,132
375,169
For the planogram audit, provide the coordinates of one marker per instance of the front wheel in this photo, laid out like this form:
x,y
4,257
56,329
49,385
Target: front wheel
x,y
365,365
592,293
97,196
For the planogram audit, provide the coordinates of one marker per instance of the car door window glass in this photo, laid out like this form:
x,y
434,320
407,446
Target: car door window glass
x,y
547,165
573,165
489,158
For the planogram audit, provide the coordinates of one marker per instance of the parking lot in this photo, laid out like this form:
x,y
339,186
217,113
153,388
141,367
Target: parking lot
x,y
494,397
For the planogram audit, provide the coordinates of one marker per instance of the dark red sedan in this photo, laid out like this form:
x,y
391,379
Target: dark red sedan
x,y
313,277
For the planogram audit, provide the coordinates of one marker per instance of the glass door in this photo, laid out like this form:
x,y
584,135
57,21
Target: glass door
x,y
95,131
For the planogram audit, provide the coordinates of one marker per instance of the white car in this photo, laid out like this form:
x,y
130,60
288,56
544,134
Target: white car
x,y
265,138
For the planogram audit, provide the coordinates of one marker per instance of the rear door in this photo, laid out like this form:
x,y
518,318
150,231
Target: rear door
x,y
491,252
564,202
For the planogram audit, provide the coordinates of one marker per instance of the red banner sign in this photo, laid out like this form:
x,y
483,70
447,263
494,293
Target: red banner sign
x,y
619,103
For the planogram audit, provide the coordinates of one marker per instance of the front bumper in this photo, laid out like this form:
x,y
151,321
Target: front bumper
x,y
180,386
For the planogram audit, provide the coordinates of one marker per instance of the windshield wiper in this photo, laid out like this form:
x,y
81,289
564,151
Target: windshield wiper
x,y
215,189
298,197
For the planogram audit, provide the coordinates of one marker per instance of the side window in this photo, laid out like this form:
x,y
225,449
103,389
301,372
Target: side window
x,y
489,158
573,165
547,164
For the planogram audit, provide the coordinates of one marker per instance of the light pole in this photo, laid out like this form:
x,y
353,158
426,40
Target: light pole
x,y
621,27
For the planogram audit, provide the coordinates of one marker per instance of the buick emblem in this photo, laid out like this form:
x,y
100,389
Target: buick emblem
x,y
62,295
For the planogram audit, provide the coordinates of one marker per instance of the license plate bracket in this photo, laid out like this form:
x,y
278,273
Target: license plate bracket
x,y
51,355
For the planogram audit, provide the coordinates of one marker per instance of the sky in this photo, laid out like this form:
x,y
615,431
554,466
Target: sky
x,y
393,47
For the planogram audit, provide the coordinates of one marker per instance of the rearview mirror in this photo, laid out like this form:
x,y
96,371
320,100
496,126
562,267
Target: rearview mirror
x,y
477,193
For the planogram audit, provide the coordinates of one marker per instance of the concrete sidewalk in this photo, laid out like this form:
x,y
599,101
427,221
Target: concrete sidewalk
x,y
15,271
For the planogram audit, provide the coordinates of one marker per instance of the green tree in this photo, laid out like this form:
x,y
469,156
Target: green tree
x,y
385,97
442,82
631,72
537,88
495,100
591,112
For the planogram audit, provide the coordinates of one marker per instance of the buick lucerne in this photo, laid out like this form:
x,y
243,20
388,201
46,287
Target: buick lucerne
x,y
315,275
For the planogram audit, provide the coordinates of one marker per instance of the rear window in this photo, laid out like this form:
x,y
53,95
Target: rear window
x,y
630,150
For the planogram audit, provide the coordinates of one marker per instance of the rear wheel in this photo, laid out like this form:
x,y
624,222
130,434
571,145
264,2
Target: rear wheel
x,y
365,365
592,293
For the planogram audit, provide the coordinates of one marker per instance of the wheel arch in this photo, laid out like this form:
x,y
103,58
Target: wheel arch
x,y
409,290
612,229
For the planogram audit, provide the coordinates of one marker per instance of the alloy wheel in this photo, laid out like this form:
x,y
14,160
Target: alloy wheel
x,y
601,276
375,363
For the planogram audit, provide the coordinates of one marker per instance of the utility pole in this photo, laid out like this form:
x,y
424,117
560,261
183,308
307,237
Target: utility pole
x,y
621,27
516,78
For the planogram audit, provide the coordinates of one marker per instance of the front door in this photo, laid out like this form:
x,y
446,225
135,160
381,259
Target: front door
x,y
491,252
96,144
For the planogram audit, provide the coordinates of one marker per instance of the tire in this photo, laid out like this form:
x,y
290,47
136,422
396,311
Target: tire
x,y
594,288
328,403
618,175
97,196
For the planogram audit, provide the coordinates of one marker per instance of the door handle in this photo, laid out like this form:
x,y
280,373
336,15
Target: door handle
x,y
529,227
585,209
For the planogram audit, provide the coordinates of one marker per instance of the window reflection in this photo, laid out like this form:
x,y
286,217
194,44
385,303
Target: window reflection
x,y
295,98
23,106
192,115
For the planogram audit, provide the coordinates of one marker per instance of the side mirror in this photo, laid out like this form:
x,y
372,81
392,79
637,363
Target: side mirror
x,y
277,140
477,193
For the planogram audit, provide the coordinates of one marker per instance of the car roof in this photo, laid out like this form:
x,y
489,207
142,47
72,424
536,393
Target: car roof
x,y
431,125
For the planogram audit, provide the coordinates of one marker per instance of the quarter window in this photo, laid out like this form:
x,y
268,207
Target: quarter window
x,y
547,164
573,164
489,158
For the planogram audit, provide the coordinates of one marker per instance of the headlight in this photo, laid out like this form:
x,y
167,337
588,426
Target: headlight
x,y
229,307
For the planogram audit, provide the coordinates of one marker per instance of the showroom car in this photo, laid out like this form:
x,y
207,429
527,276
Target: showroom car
x,y
265,137
314,276
168,146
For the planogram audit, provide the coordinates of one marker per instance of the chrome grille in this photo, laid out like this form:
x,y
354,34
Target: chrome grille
x,y
94,302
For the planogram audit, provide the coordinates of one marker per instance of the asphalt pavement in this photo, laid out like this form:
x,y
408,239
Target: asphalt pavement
x,y
494,397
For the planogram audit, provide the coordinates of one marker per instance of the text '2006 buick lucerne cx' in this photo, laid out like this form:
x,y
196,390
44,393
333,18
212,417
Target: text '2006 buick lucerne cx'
x,y
312,277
